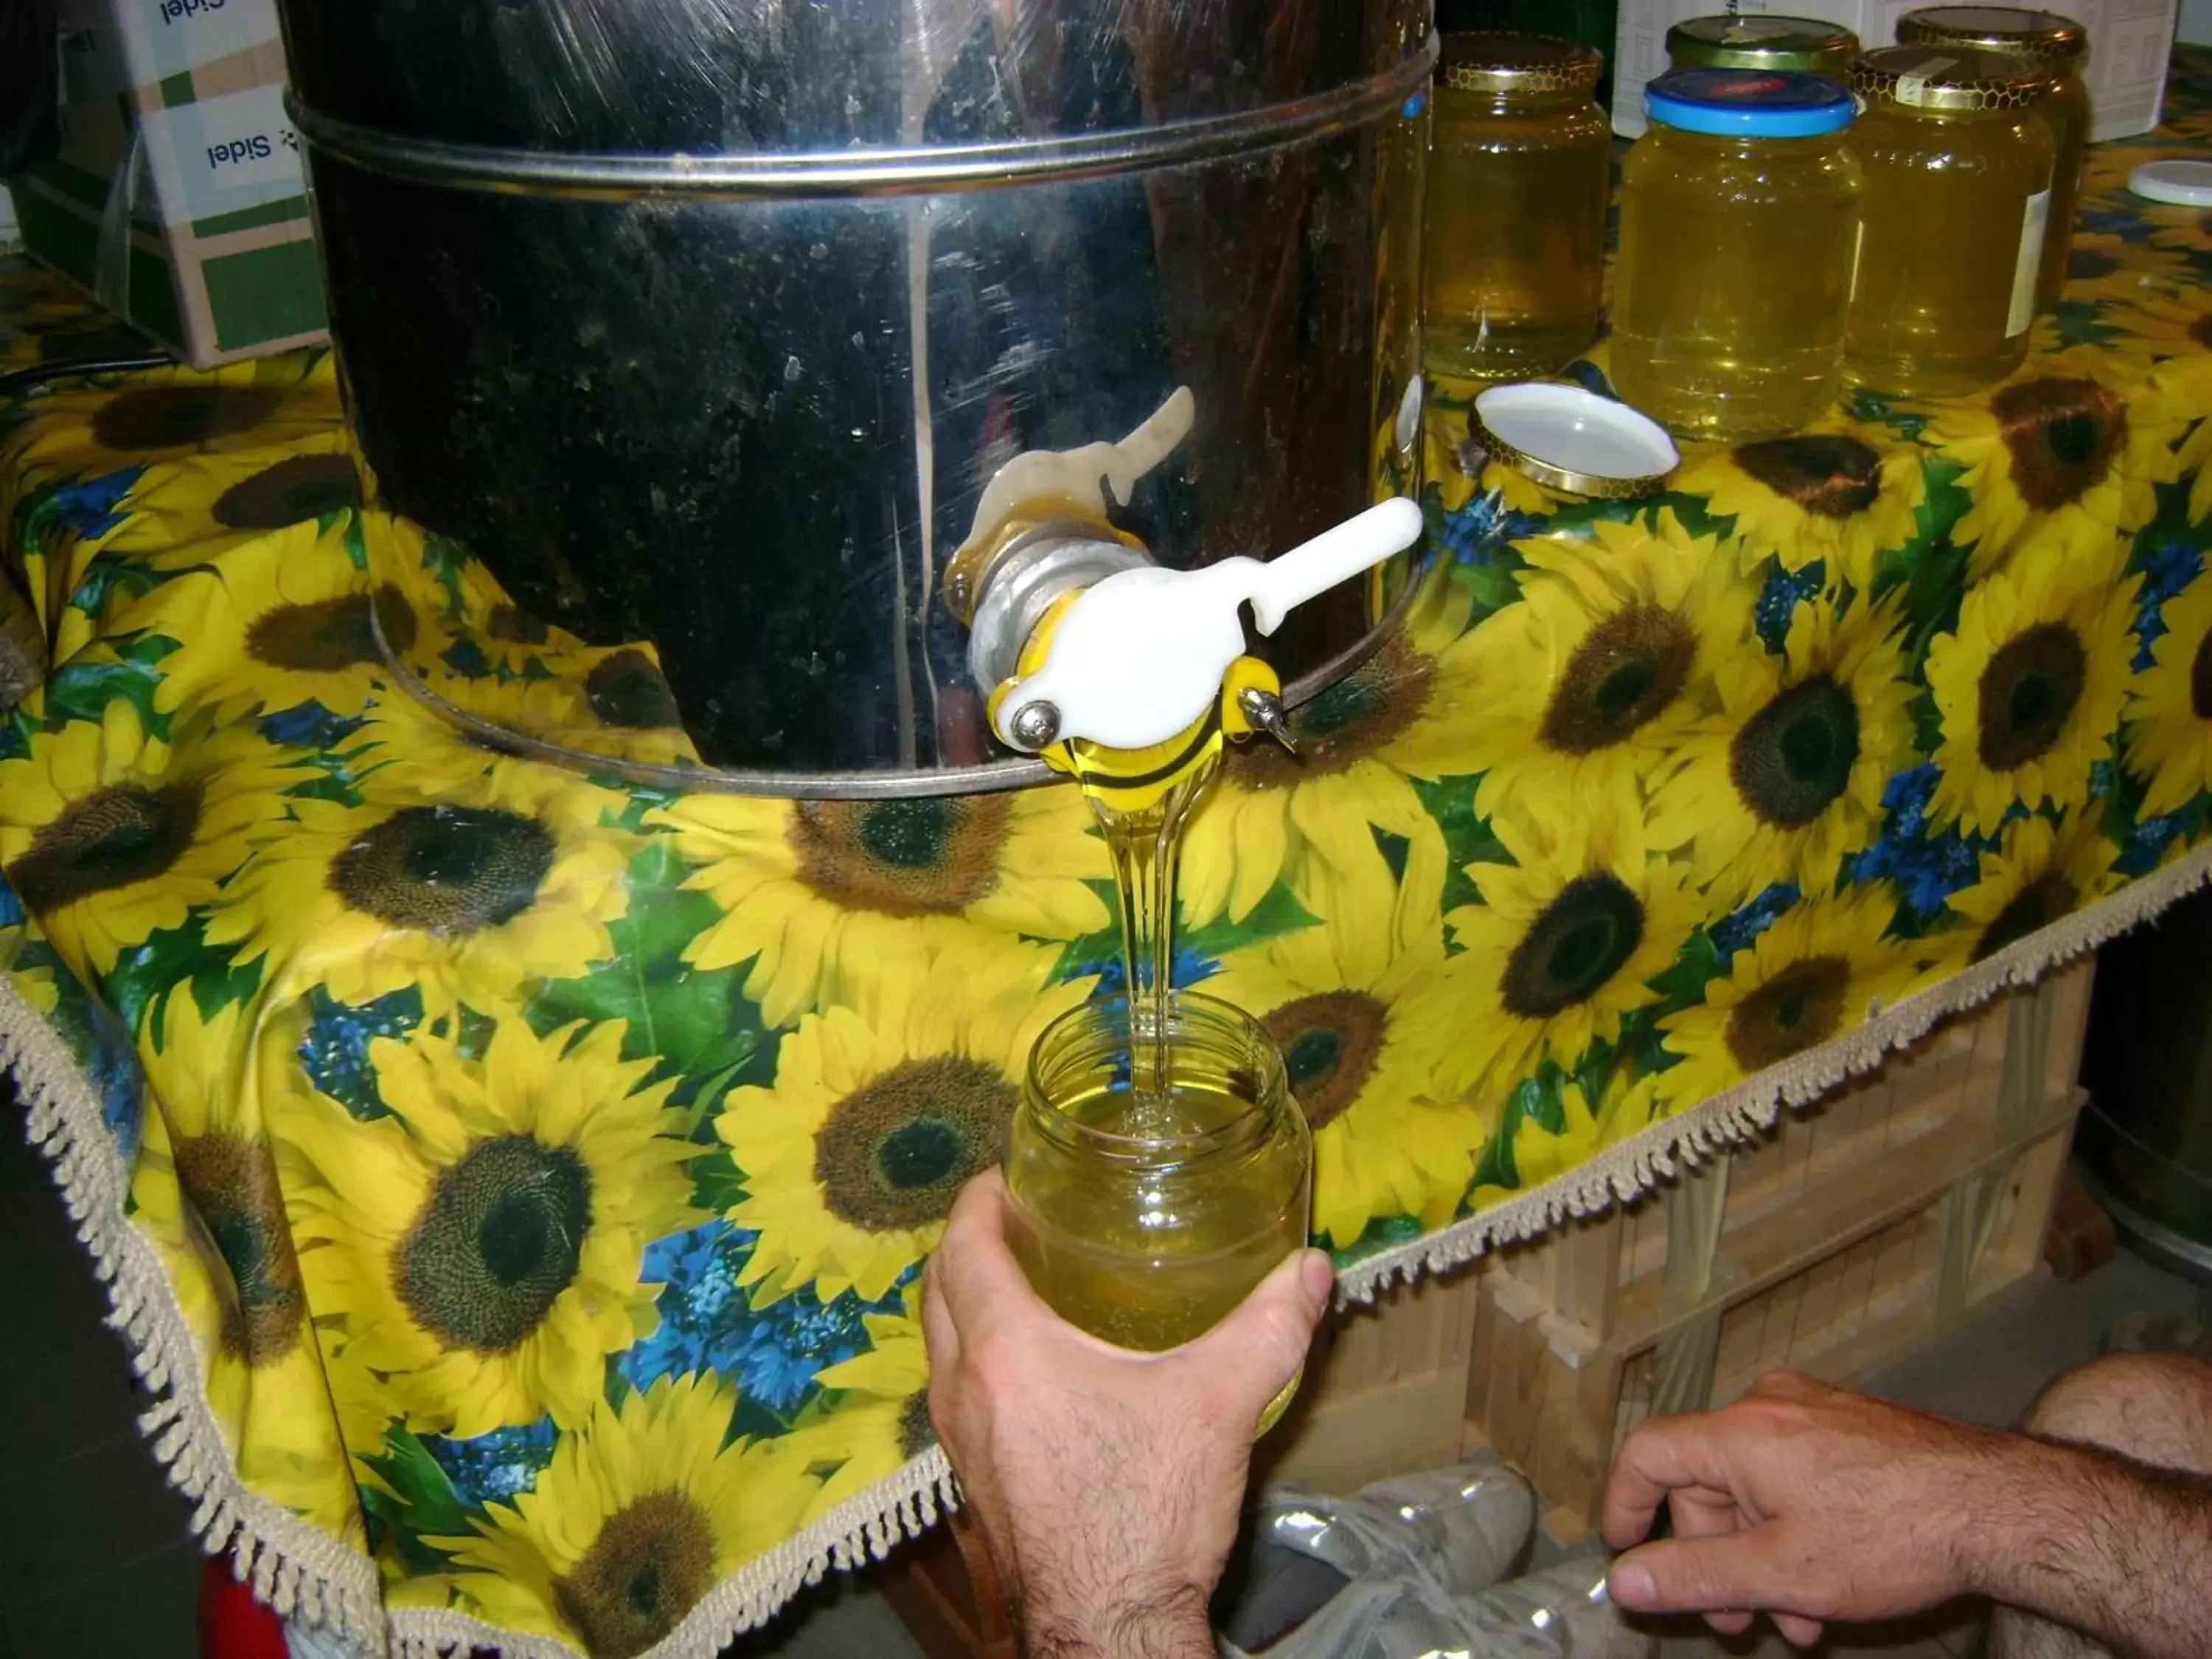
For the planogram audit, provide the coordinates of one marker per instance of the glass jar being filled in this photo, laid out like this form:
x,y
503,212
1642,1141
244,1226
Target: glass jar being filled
x,y
1958,168
2061,46
1145,1218
1738,208
1773,45
1520,163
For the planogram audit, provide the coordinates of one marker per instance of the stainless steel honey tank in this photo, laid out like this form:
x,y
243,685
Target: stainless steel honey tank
x,y
706,323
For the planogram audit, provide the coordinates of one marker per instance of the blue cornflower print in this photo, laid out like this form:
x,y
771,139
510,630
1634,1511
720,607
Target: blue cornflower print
x,y
1927,869
771,1353
334,1053
1784,591
492,1468
309,726
1188,968
2168,566
88,507
1484,523
1736,931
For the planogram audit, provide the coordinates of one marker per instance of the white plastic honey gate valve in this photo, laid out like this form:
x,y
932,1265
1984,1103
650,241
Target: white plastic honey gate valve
x,y
1140,656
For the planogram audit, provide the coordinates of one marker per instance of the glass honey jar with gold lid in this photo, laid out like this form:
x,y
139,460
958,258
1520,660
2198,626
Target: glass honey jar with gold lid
x,y
1145,1214
1957,159
2061,45
1774,44
1738,208
1520,164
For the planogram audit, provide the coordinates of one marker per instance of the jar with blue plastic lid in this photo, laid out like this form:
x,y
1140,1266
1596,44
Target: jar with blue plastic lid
x,y
1739,221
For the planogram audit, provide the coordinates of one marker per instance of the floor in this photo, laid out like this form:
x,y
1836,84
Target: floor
x,y
94,1560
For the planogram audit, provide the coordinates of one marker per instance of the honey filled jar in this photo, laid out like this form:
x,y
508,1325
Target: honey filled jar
x,y
1520,160
1773,44
1143,1216
1738,208
1957,161
2061,45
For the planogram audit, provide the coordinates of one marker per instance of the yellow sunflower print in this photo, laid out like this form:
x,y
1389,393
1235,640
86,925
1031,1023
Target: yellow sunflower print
x,y
2169,731
1844,494
207,1190
194,511
1590,681
482,1244
1439,447
1818,971
879,1114
2067,450
2157,323
34,981
2040,872
36,984
2193,456
109,835
1787,779
265,404
1358,1016
407,748
1564,941
1540,1155
468,896
878,1421
2185,230
283,619
608,705
1406,712
821,896
642,1510
2031,685
2102,267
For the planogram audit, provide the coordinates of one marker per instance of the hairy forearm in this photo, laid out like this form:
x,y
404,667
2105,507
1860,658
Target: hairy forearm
x,y
1175,1627
2115,1549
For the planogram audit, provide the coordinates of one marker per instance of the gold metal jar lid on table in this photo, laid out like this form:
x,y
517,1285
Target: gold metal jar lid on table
x,y
1994,29
1806,45
1957,162
2062,46
1520,164
1501,62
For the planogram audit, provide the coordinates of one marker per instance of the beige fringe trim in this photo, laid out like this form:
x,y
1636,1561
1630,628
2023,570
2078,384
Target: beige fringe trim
x,y
295,1567
1622,1172
302,1571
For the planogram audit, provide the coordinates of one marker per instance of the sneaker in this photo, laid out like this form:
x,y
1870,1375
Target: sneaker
x,y
1464,1528
1561,1613
2157,1332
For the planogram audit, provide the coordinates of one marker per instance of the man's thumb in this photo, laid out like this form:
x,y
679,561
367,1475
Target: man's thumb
x,y
1722,1574
1261,1345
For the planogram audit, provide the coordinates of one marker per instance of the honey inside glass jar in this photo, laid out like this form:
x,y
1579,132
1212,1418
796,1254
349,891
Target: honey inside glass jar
x,y
1520,164
1958,164
1143,1216
2061,45
1738,208
1773,44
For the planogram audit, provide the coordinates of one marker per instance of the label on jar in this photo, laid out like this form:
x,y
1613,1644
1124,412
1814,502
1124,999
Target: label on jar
x,y
2032,224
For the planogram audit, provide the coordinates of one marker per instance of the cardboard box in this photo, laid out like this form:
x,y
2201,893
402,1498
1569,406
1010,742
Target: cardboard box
x,y
2130,44
178,199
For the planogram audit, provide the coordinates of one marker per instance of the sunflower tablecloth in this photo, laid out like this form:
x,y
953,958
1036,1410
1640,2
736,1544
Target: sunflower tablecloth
x,y
514,1184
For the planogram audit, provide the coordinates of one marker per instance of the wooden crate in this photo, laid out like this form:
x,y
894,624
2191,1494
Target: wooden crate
x,y
1852,1235
1856,1232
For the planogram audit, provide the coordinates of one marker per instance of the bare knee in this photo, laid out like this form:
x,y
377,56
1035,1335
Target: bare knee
x,y
2153,1407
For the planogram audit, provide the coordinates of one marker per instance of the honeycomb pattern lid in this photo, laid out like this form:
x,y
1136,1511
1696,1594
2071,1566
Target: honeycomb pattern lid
x,y
1487,60
1950,78
1762,43
1994,29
